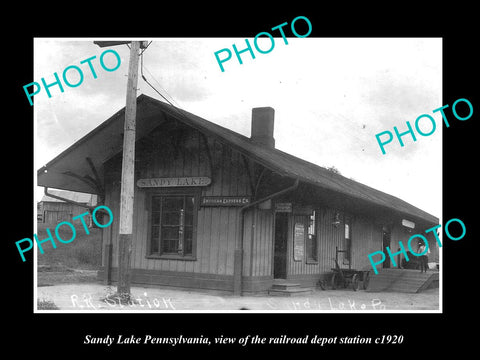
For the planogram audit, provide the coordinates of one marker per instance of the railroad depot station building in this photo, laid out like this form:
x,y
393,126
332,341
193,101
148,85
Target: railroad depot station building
x,y
217,210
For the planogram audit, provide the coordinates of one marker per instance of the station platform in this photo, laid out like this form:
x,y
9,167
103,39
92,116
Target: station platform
x,y
403,280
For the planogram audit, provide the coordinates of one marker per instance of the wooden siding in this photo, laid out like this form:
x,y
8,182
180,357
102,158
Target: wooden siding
x,y
258,243
259,237
55,212
366,237
328,237
177,279
177,152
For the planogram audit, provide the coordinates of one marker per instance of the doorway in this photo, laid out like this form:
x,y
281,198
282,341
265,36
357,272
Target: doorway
x,y
386,243
280,246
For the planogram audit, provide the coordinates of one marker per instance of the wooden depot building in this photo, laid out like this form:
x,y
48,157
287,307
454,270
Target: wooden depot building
x,y
214,209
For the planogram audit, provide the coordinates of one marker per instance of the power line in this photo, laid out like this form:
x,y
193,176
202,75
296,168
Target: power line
x,y
153,87
145,79
160,86
176,108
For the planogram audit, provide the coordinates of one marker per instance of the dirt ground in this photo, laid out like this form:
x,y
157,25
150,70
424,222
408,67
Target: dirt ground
x,y
78,290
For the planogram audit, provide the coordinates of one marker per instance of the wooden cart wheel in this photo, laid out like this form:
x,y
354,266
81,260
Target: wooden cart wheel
x,y
355,282
333,281
366,279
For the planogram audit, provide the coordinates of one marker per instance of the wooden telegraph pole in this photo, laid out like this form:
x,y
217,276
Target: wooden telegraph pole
x,y
128,176
128,171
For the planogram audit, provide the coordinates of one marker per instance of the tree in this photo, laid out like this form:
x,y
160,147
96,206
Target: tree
x,y
334,170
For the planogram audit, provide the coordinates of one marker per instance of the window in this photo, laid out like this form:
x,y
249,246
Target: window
x,y
312,238
172,225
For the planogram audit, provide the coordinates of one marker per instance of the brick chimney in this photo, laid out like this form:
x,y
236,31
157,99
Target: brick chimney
x,y
263,119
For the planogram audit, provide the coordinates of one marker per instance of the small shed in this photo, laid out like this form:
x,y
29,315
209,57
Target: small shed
x,y
52,210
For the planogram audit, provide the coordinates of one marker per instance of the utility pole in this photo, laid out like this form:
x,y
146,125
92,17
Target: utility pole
x,y
128,177
128,172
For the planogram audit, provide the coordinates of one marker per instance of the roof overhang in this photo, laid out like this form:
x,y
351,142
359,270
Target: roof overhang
x,y
80,167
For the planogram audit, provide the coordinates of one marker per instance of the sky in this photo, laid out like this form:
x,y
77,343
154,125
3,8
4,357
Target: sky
x,y
331,97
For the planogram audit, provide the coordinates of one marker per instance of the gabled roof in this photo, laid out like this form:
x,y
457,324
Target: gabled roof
x,y
70,170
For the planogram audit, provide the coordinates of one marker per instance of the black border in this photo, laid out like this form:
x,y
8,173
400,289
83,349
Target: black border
x,y
59,334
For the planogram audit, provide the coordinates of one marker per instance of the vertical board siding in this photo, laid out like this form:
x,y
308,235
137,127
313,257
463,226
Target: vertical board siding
x,y
107,232
328,237
183,155
247,243
366,238
115,208
203,240
262,232
400,234
258,243
55,212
